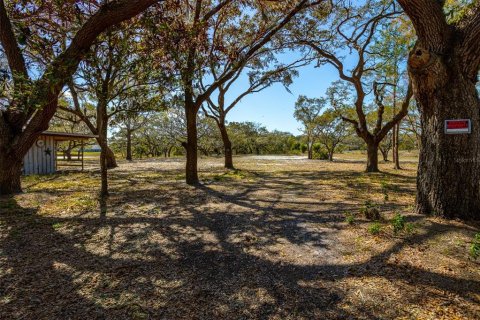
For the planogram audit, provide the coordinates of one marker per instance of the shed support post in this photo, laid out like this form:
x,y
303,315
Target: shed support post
x,y
82,147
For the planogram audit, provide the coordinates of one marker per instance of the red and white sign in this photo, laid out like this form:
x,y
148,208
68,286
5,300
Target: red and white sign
x,y
458,126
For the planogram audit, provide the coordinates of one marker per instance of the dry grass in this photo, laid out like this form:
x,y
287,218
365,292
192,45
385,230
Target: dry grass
x,y
268,241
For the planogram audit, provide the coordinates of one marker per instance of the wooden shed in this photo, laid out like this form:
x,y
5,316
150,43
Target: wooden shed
x,y
42,156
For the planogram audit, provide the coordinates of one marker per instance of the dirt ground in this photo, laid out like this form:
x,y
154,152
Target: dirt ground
x,y
269,241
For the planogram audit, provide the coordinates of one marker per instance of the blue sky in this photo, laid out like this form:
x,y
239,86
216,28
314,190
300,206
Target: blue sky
x,y
274,106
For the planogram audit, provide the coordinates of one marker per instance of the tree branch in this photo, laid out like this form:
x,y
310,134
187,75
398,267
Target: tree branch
x,y
62,68
16,61
470,27
399,116
430,23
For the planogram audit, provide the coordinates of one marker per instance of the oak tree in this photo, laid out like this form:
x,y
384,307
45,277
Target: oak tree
x,y
35,84
444,66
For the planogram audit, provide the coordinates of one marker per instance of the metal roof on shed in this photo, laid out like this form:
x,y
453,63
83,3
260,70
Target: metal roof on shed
x,y
68,136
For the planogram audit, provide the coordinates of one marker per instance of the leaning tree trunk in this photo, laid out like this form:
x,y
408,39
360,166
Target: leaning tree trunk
x,y
384,154
111,160
191,147
10,174
227,144
396,143
448,181
372,157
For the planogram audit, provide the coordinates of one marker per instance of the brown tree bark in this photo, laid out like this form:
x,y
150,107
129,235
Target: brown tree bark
x,y
227,144
10,174
104,174
372,156
191,146
396,127
309,149
448,182
444,66
129,145
384,154
396,143
111,160
102,132
102,128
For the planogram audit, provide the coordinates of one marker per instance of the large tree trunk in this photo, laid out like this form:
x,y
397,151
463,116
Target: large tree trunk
x,y
309,149
448,182
372,157
10,173
227,144
444,66
102,125
129,145
191,147
104,173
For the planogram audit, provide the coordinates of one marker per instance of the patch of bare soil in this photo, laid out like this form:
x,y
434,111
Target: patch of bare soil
x,y
268,241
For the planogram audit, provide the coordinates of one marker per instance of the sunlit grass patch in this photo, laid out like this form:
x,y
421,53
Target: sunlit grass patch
x,y
76,202
64,182
231,175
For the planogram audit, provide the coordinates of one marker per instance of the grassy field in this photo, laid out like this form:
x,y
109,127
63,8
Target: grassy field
x,y
280,238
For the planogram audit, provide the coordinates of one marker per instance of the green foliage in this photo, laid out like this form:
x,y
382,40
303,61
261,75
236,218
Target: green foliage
x,y
304,148
409,227
398,223
375,228
230,175
349,218
475,247
57,225
384,186
319,152
370,211
456,10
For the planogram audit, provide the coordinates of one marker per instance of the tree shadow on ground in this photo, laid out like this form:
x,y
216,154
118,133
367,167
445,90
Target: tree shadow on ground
x,y
190,259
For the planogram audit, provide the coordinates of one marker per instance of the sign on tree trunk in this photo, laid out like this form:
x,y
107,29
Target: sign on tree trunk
x,y
458,126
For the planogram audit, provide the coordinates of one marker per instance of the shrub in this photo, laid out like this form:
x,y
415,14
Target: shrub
x,y
409,227
319,152
370,211
384,186
57,225
374,228
398,223
349,218
475,247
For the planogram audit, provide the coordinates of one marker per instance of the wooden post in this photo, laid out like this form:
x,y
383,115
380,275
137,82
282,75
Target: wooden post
x,y
56,155
82,148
